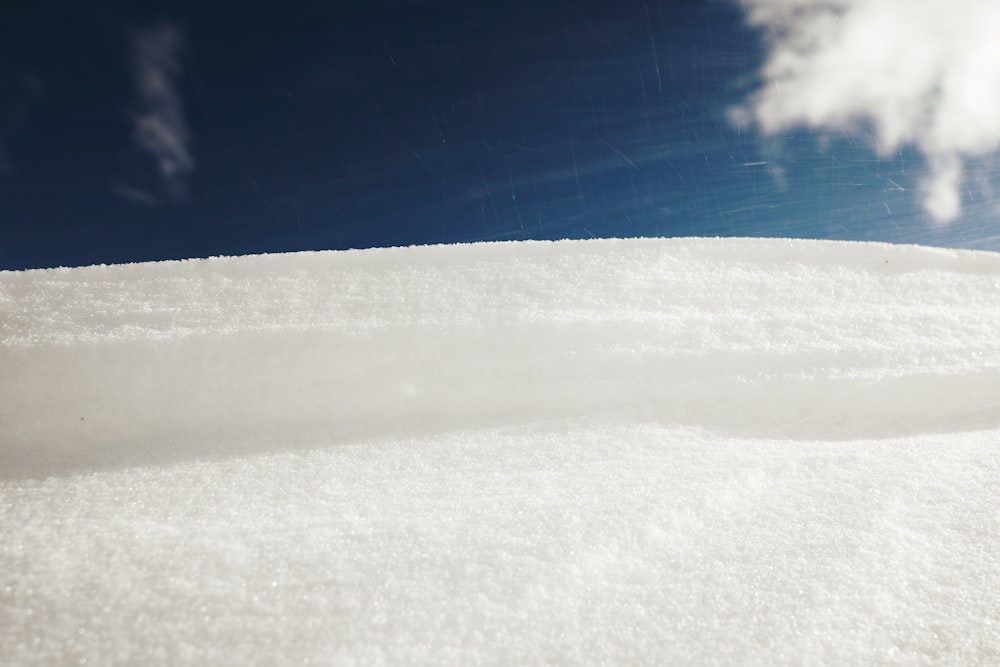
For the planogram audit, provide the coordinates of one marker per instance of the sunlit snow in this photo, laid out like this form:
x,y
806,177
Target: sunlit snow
x,y
693,451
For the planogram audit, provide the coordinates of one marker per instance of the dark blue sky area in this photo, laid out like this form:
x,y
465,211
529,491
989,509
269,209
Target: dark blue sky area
x,y
196,129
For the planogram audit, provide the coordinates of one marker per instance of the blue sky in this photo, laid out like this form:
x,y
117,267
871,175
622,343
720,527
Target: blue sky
x,y
190,129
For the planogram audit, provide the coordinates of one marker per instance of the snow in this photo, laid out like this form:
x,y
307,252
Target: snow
x,y
688,451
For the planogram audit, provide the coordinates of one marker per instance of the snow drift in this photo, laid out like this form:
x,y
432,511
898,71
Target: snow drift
x,y
759,338
713,451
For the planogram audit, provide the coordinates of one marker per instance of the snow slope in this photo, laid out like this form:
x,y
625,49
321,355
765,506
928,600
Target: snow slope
x,y
652,451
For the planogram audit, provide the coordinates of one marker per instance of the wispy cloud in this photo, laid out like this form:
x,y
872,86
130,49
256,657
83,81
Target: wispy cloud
x,y
924,73
133,194
160,128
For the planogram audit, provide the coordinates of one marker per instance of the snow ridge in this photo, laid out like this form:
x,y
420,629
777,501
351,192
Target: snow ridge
x,y
691,451
755,338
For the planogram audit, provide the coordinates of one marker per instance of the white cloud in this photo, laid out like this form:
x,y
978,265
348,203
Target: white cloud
x,y
924,73
159,126
133,194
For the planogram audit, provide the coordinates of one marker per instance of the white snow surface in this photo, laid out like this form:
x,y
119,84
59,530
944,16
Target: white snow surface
x,y
690,451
